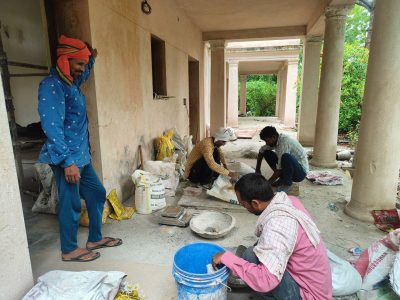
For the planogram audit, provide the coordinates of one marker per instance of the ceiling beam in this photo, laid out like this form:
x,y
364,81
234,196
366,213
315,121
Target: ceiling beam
x,y
317,17
256,33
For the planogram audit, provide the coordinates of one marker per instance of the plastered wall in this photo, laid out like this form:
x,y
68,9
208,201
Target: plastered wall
x,y
24,40
16,273
127,114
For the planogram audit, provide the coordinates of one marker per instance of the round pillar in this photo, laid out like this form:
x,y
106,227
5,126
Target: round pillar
x,y
217,88
329,92
378,160
309,90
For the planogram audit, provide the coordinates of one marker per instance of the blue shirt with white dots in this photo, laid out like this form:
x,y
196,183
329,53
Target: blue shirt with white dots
x,y
62,110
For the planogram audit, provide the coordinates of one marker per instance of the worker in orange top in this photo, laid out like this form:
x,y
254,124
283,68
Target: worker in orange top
x,y
206,161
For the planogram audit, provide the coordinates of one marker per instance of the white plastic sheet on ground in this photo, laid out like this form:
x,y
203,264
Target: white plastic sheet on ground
x,y
345,278
86,285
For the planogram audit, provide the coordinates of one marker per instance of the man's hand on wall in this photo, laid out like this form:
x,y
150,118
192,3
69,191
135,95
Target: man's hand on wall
x,y
72,174
92,51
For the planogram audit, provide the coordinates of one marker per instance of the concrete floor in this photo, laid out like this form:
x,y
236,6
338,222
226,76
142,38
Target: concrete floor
x,y
147,253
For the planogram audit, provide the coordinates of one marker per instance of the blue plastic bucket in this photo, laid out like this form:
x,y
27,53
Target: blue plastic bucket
x,y
190,272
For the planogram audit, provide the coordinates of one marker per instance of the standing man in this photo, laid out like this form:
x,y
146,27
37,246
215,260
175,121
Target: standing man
x,y
62,110
289,260
289,161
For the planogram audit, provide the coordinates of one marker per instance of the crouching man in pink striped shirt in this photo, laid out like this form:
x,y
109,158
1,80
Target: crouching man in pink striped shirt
x,y
289,260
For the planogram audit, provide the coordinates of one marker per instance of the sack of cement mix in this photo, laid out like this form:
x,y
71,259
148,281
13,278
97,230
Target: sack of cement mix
x,y
166,171
47,201
395,275
223,189
345,278
149,192
377,261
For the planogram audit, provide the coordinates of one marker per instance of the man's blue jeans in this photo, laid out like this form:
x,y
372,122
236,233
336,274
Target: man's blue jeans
x,y
286,289
89,188
291,168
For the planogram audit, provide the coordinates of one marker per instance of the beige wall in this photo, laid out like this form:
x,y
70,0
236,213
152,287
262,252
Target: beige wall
x,y
16,273
127,114
24,41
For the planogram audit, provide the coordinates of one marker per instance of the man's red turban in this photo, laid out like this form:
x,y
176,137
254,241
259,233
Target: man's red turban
x,y
70,48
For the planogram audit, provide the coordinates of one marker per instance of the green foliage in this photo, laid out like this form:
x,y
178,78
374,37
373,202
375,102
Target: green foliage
x,y
263,77
353,82
357,26
354,72
261,96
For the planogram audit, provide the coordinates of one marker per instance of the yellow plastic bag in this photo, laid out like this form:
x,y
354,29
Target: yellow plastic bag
x,y
84,219
164,146
119,211
130,292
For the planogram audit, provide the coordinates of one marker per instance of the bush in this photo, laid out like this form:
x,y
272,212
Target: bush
x,y
261,97
353,82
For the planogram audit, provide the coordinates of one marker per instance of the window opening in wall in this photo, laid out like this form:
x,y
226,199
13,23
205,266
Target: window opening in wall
x,y
158,67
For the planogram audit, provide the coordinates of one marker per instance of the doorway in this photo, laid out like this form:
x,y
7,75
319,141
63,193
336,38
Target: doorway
x,y
194,99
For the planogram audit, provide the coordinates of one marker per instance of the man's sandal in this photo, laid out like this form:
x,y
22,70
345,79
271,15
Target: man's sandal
x,y
79,258
111,242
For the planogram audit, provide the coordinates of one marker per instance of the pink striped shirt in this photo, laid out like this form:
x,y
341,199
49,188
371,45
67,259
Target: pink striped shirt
x,y
308,265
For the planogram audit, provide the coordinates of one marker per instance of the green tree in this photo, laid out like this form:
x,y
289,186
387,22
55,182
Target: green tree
x,y
354,71
261,97
357,26
353,82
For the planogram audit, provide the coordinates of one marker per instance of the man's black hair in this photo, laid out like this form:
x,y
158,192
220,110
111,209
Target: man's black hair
x,y
254,187
268,132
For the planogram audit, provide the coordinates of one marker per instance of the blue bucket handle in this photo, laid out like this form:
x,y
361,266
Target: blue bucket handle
x,y
217,282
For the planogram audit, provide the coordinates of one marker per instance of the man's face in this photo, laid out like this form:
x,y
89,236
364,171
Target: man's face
x,y
271,141
76,66
250,206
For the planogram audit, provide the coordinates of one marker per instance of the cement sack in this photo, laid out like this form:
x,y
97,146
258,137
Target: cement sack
x,y
395,275
376,262
345,278
223,189
47,201
149,192
166,171
240,168
188,142
65,285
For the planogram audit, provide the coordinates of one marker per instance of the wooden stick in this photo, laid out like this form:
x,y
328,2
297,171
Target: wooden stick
x,y
141,158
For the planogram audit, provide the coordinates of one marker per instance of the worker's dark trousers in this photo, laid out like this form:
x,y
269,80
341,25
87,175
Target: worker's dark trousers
x,y
286,289
69,206
291,168
201,172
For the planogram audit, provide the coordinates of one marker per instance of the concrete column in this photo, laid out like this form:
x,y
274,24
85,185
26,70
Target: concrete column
x,y
329,92
16,271
243,93
282,93
217,97
278,93
289,117
377,167
233,94
309,90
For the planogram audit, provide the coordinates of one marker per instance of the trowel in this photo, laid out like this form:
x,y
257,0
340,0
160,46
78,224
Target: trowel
x,y
174,216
